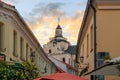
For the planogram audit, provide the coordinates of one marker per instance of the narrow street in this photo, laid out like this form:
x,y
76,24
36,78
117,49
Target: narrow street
x,y
59,40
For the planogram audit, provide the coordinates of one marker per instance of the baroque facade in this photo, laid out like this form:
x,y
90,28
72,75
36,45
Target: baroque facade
x,y
98,37
18,40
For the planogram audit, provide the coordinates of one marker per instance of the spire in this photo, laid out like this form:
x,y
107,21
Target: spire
x,y
58,27
58,20
58,31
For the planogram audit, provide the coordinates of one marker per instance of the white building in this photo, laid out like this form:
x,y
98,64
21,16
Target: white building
x,y
18,43
63,66
59,48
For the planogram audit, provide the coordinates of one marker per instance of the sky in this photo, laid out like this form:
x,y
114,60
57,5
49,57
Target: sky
x,y
42,17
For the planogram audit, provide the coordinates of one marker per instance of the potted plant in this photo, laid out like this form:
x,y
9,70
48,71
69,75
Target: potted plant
x,y
107,59
118,66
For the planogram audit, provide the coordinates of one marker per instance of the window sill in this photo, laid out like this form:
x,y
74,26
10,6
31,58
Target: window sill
x,y
23,59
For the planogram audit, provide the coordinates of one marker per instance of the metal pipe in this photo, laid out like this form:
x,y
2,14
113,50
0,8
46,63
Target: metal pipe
x,y
93,77
95,58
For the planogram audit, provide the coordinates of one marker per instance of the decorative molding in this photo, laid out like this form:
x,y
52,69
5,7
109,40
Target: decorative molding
x,y
17,26
108,1
109,7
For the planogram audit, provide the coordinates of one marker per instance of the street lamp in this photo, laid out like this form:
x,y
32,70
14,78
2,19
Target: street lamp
x,y
32,56
81,59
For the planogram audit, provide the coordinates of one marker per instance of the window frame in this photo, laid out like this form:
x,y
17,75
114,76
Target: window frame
x,y
15,43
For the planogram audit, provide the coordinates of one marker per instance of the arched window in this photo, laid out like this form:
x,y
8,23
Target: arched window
x,y
15,43
69,61
63,59
50,51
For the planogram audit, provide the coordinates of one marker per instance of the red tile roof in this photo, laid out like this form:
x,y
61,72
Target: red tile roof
x,y
59,70
68,65
1,2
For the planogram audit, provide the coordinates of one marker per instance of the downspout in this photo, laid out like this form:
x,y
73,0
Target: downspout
x,y
93,77
94,11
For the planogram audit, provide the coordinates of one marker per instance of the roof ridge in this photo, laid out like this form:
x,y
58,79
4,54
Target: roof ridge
x,y
2,2
68,65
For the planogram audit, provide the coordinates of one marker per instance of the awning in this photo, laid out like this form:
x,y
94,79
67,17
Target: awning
x,y
107,69
61,76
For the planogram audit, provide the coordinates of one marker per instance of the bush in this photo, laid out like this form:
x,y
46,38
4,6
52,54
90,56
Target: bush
x,y
18,71
118,66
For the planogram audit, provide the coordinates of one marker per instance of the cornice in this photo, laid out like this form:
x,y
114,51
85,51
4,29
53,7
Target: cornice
x,y
14,17
108,4
20,23
107,1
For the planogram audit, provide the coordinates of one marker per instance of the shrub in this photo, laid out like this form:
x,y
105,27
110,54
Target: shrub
x,y
18,71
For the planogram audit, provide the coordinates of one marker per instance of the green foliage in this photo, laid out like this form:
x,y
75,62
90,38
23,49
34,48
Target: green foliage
x,y
118,66
107,58
18,71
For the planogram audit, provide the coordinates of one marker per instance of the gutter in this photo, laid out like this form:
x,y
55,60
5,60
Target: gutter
x,y
93,77
94,10
89,4
81,32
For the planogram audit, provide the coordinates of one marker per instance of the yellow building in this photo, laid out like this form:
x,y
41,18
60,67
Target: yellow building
x,y
19,41
99,36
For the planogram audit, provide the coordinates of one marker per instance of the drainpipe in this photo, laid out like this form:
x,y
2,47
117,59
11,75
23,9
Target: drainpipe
x,y
93,77
94,10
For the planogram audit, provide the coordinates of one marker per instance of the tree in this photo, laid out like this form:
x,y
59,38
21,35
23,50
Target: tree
x,y
18,71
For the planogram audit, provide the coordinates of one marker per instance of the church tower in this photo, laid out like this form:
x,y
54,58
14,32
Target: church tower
x,y
58,31
59,48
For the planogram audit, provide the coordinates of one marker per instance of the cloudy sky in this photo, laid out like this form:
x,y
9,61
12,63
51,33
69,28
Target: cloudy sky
x,y
42,17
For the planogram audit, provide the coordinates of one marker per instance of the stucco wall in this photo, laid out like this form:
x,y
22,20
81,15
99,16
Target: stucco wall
x,y
10,22
108,32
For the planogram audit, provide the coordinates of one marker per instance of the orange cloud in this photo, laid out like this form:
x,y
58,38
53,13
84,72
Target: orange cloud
x,y
46,29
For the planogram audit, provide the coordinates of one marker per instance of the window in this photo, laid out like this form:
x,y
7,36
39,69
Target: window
x,y
100,77
45,68
100,58
27,52
87,45
1,37
69,61
102,55
91,37
39,61
30,53
30,50
82,49
50,51
15,43
63,59
21,49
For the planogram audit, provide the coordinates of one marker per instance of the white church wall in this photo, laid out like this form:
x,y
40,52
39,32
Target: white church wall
x,y
59,64
62,65
57,46
61,56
